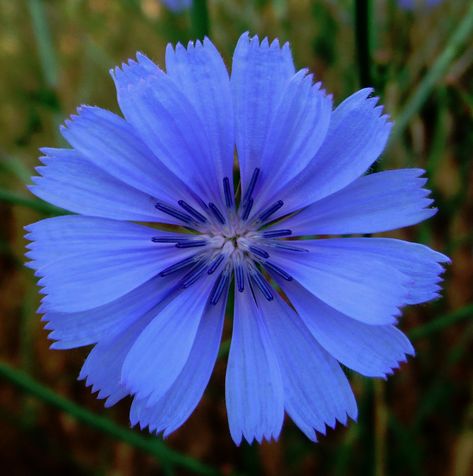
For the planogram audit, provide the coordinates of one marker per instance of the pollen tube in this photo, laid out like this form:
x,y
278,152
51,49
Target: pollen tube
x,y
227,192
194,274
178,266
271,210
215,264
251,186
219,287
192,211
247,210
217,213
278,270
239,277
276,233
262,284
191,243
173,212
258,252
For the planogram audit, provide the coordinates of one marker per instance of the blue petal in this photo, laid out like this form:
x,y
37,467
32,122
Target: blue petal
x,y
102,323
75,184
260,74
316,391
177,5
352,281
168,123
373,203
356,137
419,263
202,76
161,351
69,235
87,275
373,351
296,131
175,407
254,392
111,144
102,368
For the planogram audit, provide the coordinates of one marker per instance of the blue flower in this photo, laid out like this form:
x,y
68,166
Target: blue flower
x,y
177,5
412,4
152,298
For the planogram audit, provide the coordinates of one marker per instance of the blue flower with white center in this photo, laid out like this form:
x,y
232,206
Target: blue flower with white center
x,y
151,297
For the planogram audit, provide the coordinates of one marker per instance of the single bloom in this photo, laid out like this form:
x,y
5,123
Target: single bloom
x,y
171,225
177,5
413,4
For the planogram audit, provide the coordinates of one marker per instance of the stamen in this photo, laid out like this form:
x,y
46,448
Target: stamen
x,y
178,266
247,210
191,243
217,213
173,212
194,274
278,270
263,285
219,287
276,233
251,186
258,251
228,192
289,248
270,210
215,264
240,277
190,209
160,239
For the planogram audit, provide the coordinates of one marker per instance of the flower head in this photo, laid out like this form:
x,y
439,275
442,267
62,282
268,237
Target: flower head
x,y
412,4
152,298
177,5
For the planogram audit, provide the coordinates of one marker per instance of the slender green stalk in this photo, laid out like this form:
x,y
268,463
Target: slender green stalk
x,y
15,167
461,35
44,43
435,393
200,19
442,322
149,445
10,197
364,41
224,349
380,429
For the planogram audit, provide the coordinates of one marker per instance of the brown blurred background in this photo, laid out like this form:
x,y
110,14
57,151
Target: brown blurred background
x,y
55,55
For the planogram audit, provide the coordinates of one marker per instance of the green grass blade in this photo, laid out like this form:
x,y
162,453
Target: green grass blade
x,y
151,445
441,322
47,56
13,198
461,35
200,19
364,41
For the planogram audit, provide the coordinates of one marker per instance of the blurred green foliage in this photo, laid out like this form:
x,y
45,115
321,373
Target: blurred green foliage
x,y
54,56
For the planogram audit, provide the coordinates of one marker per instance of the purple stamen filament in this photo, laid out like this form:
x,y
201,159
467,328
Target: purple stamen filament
x,y
192,211
191,243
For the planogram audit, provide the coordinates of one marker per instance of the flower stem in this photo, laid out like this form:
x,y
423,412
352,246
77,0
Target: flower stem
x,y
417,99
200,19
364,41
150,445
45,46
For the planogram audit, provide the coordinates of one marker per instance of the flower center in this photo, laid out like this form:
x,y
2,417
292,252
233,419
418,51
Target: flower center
x,y
228,239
